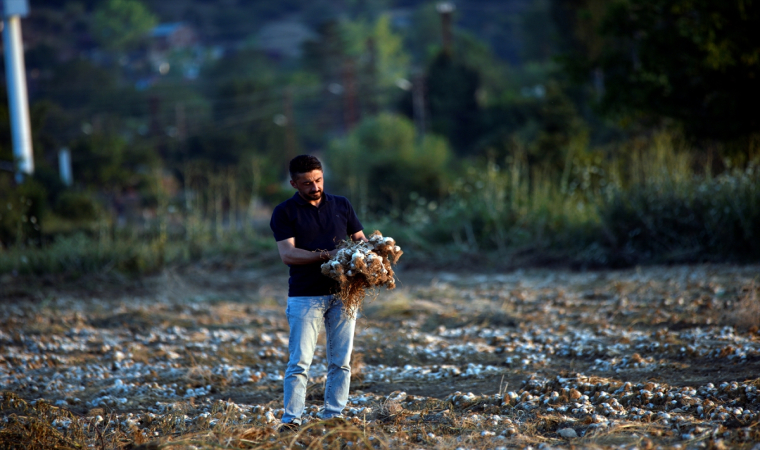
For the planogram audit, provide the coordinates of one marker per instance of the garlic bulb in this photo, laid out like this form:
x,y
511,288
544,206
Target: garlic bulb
x,y
359,266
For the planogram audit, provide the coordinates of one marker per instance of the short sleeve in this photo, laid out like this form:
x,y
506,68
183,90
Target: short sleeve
x,y
352,224
281,225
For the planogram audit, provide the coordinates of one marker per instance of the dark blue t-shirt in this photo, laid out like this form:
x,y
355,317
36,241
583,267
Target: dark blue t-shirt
x,y
314,228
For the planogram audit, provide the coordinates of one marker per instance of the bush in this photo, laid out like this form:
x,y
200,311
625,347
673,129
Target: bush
x,y
76,206
649,206
697,219
22,208
381,162
79,254
509,207
132,254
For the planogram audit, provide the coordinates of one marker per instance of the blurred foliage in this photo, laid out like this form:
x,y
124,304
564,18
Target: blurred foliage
x,y
609,132
647,205
360,62
121,24
76,206
661,210
381,162
454,110
22,211
381,45
105,161
692,61
244,94
81,253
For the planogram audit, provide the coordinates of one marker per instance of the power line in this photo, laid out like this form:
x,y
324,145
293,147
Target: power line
x,y
256,99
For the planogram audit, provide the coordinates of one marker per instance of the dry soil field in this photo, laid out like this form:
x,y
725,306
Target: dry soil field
x,y
643,358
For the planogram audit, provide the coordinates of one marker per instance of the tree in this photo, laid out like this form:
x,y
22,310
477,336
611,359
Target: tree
x,y
121,24
362,59
454,111
695,61
390,59
459,87
246,92
381,162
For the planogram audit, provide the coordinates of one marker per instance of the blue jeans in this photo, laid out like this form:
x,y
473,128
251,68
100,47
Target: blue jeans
x,y
306,316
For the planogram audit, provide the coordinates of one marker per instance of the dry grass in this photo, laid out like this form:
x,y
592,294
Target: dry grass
x,y
329,434
33,426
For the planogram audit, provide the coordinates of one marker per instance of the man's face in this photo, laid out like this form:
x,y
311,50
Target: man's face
x,y
310,185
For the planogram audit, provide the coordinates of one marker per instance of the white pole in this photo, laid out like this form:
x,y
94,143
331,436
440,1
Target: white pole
x,y
64,166
18,104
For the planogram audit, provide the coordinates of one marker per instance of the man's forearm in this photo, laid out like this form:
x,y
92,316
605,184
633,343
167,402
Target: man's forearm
x,y
300,256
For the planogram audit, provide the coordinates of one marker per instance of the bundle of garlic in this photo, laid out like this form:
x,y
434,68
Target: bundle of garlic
x,y
359,266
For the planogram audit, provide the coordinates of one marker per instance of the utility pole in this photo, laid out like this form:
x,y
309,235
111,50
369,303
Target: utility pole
x,y
418,102
154,104
15,75
445,9
372,88
291,143
181,127
350,112
179,115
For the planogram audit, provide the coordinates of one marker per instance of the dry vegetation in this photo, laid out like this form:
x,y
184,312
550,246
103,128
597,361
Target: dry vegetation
x,y
656,357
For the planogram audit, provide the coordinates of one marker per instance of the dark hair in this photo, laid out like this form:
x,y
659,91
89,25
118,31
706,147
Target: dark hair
x,y
304,164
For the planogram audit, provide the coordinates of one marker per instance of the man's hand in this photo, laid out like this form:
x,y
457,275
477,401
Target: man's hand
x,y
359,236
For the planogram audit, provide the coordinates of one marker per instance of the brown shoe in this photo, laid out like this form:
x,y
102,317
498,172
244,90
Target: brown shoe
x,y
287,427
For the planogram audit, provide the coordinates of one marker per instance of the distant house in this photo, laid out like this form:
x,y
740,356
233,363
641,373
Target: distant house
x,y
173,36
283,38
401,17
168,50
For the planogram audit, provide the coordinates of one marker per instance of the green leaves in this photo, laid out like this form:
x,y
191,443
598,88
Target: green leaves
x,y
695,61
121,24
382,162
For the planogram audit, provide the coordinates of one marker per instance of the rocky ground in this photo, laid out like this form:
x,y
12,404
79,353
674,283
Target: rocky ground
x,y
650,357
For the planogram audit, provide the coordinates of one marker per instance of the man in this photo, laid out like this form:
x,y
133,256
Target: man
x,y
307,228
